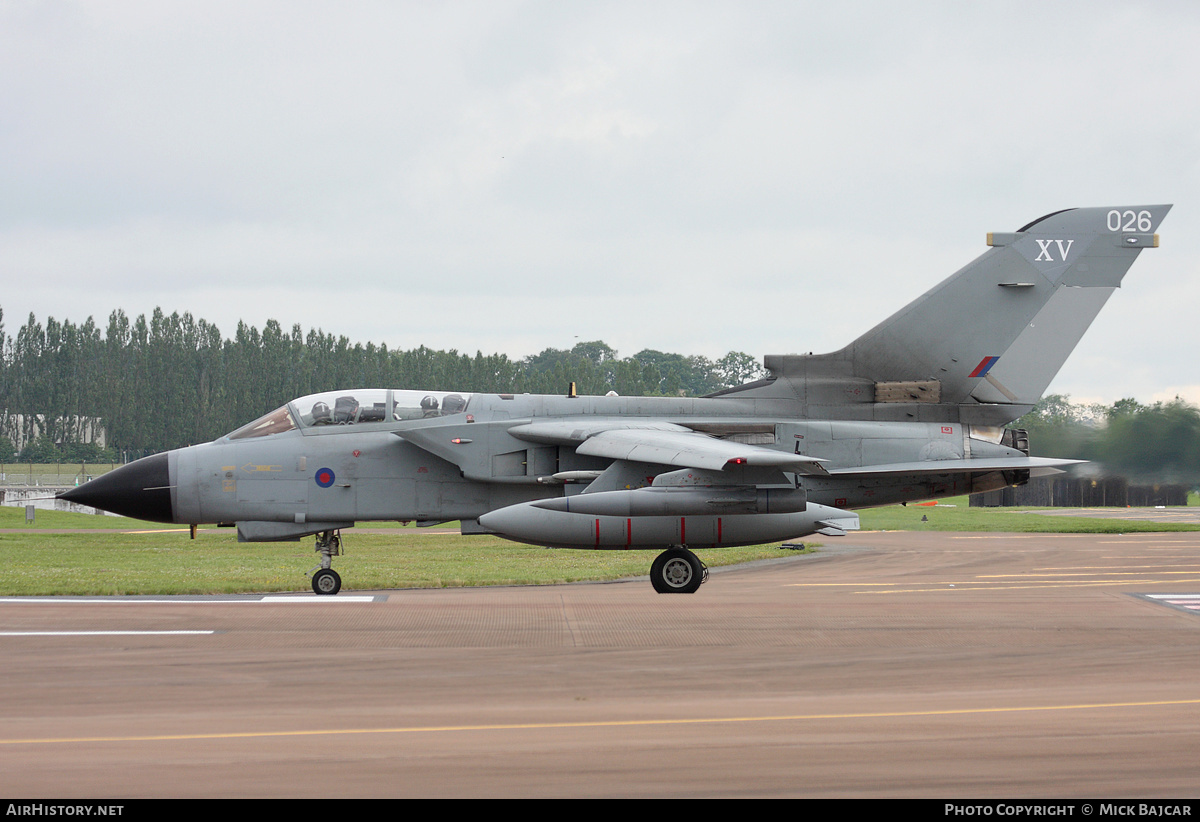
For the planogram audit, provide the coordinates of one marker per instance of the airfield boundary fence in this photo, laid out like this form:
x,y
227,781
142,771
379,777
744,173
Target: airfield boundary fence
x,y
1073,492
51,474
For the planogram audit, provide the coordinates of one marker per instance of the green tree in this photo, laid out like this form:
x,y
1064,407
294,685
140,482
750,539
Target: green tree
x,y
1159,443
737,368
1058,428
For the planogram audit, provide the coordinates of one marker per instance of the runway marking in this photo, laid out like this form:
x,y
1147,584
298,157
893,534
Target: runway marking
x,y
103,633
1154,537
1078,574
617,723
214,600
981,585
1125,538
1184,602
1152,562
315,598
1002,535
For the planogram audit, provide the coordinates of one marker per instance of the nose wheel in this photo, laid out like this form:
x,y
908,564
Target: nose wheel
x,y
326,581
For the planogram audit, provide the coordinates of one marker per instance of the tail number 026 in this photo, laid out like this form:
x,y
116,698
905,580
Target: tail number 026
x,y
1128,221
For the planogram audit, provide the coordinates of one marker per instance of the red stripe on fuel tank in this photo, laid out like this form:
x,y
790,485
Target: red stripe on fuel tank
x,y
597,532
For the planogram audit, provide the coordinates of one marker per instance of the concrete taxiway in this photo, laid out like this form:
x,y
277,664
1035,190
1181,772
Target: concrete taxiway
x,y
888,664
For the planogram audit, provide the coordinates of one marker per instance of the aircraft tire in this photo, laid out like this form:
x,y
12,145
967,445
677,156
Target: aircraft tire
x,y
677,571
326,582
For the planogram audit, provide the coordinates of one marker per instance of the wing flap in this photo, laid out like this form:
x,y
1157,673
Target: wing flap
x,y
965,466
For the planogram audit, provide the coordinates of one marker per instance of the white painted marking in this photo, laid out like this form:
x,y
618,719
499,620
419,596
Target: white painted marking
x,y
316,598
103,633
255,601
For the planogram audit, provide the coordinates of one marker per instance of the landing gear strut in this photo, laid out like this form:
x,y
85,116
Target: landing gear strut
x,y
326,580
677,571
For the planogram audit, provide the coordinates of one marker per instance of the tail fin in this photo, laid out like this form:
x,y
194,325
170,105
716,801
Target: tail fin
x,y
997,331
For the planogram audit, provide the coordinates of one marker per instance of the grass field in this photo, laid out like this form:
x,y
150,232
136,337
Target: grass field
x,y
150,558
956,515
113,555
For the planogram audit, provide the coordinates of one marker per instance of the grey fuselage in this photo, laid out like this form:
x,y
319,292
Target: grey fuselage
x,y
460,467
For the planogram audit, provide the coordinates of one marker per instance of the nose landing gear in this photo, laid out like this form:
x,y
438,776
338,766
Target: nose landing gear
x,y
326,581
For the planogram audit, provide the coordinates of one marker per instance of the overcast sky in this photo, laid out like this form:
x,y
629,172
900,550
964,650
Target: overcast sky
x,y
694,177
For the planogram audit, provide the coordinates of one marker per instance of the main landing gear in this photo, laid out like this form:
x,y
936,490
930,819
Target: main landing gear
x,y
326,581
677,571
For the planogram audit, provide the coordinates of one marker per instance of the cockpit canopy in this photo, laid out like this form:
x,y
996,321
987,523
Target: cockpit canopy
x,y
364,406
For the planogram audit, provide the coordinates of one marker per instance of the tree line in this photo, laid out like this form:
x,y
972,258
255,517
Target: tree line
x,y
1158,443
166,381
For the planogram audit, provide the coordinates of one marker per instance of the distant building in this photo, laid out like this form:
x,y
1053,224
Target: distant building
x,y
1082,492
22,430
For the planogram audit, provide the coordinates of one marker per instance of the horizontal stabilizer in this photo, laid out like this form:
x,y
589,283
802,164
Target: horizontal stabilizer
x,y
839,525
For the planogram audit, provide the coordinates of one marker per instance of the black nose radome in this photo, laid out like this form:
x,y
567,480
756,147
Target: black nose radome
x,y
141,490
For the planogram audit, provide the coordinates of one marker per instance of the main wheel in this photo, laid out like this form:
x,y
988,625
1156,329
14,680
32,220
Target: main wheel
x,y
677,571
326,581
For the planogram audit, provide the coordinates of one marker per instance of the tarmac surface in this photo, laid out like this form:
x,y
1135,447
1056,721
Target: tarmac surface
x,y
886,665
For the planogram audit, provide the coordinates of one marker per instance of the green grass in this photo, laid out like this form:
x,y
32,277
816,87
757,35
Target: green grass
x,y
955,515
13,516
151,558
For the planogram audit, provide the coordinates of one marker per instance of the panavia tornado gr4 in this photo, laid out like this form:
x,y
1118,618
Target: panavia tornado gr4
x,y
913,409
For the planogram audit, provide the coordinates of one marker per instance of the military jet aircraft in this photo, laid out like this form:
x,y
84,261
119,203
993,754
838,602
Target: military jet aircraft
x,y
913,409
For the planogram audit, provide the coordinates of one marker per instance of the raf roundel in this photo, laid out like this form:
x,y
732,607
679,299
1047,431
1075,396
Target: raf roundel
x,y
325,477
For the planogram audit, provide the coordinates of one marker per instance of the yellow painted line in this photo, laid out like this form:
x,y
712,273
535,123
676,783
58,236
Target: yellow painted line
x,y
1001,535
935,586
987,582
1187,542
1079,574
853,584
619,723
1125,538
1050,569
